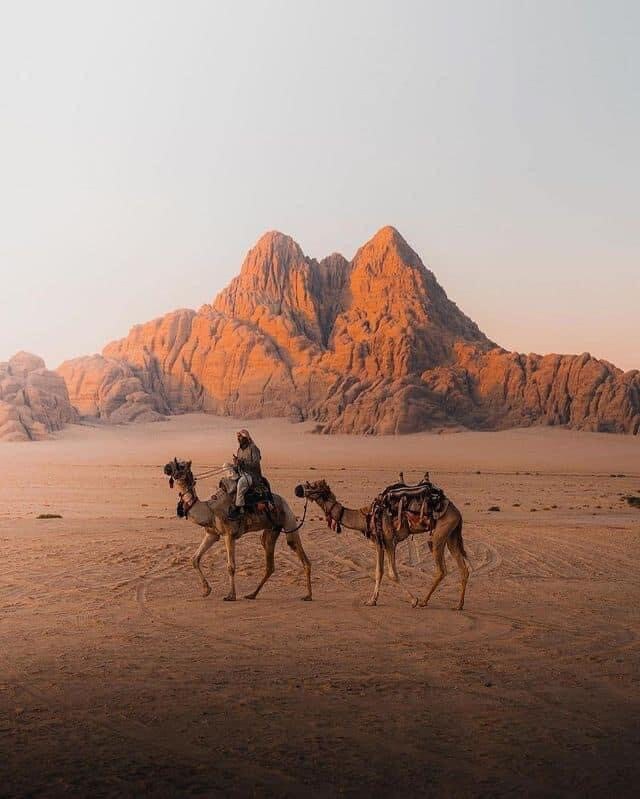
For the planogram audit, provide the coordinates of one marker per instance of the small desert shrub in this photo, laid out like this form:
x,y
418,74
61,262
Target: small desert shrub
x,y
49,516
634,502
494,508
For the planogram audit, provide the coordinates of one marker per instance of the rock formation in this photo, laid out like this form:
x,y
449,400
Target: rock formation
x,y
368,346
33,400
112,390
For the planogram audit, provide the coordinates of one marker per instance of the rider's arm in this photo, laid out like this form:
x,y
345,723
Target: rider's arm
x,y
255,455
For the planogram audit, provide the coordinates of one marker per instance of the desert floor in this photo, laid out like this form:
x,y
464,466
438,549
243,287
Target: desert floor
x,y
118,679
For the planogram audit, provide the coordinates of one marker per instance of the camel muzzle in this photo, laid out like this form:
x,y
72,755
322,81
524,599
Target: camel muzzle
x,y
299,490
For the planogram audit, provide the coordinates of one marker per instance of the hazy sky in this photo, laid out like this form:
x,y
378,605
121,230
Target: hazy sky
x,y
145,146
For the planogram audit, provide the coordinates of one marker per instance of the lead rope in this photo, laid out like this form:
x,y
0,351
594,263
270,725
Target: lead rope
x,y
207,473
304,516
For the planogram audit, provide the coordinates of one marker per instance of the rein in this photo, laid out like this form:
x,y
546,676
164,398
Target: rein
x,y
208,473
304,516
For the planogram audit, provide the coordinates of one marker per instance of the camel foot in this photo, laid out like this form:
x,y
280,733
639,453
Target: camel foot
x,y
371,603
415,602
459,607
206,590
422,603
307,598
250,596
229,598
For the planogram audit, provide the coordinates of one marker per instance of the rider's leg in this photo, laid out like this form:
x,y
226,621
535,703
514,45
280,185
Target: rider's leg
x,y
242,487
241,490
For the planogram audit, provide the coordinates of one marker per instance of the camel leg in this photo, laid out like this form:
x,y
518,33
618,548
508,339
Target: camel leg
x,y
269,543
464,570
379,574
230,544
441,571
295,542
393,574
207,542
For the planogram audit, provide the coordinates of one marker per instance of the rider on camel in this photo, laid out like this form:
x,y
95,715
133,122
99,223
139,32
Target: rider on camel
x,y
247,463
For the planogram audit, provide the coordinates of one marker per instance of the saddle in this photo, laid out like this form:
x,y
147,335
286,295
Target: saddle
x,y
259,497
413,504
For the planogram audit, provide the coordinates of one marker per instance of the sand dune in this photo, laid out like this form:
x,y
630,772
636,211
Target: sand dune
x,y
117,678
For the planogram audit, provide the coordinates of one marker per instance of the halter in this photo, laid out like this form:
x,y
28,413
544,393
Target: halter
x,y
184,503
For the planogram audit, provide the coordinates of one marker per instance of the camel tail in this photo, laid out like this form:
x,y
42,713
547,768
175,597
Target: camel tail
x,y
456,539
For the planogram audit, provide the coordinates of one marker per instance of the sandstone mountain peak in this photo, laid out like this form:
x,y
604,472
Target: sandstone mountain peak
x,y
388,236
271,246
371,345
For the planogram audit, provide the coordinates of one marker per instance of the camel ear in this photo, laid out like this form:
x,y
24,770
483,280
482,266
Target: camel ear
x,y
188,464
171,482
175,460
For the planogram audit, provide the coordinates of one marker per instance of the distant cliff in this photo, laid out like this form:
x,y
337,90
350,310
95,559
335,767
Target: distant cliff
x,y
372,345
33,401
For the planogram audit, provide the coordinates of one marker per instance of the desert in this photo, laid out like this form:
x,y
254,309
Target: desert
x,y
118,679
319,400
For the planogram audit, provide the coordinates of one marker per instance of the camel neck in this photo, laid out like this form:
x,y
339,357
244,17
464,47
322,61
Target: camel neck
x,y
188,496
184,489
348,517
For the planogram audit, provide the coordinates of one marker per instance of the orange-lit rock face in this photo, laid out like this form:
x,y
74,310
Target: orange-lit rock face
x,y
33,401
369,346
112,390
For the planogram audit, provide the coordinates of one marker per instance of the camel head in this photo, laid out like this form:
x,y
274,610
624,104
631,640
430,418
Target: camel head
x,y
180,473
318,491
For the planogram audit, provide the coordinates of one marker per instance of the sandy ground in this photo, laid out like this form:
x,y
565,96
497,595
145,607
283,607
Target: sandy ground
x,y
118,679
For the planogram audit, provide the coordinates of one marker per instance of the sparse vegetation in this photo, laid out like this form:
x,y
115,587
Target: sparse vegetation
x,y
494,508
49,516
634,502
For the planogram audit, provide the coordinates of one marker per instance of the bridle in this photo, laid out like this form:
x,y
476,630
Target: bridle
x,y
323,495
187,498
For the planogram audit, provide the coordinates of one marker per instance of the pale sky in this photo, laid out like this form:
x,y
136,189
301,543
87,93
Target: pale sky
x,y
145,146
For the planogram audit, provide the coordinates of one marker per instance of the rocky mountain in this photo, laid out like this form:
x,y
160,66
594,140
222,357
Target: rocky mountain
x,y
372,345
33,400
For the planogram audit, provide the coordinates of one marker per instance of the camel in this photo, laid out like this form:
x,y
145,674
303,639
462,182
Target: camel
x,y
212,515
447,532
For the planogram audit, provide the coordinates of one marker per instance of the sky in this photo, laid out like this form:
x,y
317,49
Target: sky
x,y
145,146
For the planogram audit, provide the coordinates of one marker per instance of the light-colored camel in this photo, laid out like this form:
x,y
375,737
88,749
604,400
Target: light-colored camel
x,y
447,532
212,514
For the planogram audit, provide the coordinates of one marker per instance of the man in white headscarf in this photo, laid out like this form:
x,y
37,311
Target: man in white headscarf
x,y
247,462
